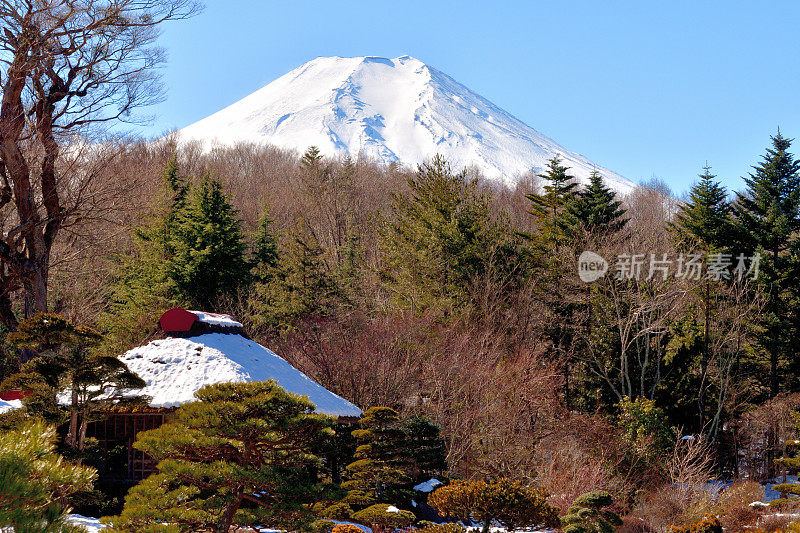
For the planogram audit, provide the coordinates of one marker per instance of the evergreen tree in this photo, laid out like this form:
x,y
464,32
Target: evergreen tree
x,y
69,364
596,209
441,238
239,455
209,249
704,221
767,219
425,448
35,481
382,465
589,514
550,208
266,254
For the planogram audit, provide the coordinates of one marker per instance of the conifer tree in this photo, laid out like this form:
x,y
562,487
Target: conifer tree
x,y
425,448
382,465
704,221
589,513
209,250
767,217
596,209
550,207
238,456
266,254
35,481
67,363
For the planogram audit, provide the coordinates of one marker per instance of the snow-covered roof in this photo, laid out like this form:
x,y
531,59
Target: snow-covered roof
x,y
216,319
175,368
428,486
8,405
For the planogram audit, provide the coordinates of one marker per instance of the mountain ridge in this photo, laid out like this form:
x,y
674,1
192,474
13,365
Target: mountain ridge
x,y
397,110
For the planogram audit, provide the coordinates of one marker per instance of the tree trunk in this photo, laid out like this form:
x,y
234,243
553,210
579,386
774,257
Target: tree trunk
x,y
486,523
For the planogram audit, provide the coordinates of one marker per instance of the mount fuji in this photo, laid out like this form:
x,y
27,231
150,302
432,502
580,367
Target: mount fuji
x,y
394,110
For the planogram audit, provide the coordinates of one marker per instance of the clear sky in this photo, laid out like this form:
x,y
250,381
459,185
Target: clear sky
x,y
648,89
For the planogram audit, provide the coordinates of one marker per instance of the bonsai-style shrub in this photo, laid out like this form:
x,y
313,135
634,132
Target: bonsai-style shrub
x,y
347,528
338,511
588,514
709,524
512,504
323,526
384,516
359,498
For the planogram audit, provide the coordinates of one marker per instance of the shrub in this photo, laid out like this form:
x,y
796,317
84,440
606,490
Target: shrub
x,y
450,527
709,524
338,511
510,503
360,498
588,514
733,505
323,526
347,528
380,515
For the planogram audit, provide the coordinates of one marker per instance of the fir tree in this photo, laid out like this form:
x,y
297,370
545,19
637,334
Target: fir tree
x,y
209,249
704,221
767,219
550,208
425,448
266,254
35,482
240,455
596,209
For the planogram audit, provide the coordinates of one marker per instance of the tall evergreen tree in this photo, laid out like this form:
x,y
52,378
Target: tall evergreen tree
x,y
550,207
767,222
209,249
596,209
704,221
266,253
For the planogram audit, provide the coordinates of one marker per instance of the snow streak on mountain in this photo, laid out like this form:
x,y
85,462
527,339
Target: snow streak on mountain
x,y
394,110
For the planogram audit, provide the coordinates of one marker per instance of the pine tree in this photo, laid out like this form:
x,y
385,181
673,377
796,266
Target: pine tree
x,y
589,513
35,482
382,465
68,363
550,208
425,448
239,455
209,250
767,220
704,221
596,210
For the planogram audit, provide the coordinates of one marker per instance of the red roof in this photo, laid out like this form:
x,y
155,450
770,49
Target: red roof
x,y
177,320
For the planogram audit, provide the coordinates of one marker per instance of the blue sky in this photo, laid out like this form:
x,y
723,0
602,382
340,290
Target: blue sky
x,y
647,89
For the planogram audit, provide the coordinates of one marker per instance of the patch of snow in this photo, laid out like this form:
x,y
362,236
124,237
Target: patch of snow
x,y
9,405
392,509
92,525
428,486
394,111
759,504
175,368
217,319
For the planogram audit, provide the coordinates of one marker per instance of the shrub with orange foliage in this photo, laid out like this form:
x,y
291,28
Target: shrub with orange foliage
x,y
347,528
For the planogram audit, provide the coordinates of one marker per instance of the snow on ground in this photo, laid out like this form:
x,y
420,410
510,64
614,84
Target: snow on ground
x,y
392,110
8,405
92,525
428,486
175,368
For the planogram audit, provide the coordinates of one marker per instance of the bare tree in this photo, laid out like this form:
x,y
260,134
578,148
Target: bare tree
x,y
67,65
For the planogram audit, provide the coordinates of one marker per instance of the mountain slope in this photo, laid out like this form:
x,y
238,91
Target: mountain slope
x,y
395,110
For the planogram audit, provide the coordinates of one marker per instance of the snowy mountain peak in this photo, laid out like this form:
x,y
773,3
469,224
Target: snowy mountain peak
x,y
397,110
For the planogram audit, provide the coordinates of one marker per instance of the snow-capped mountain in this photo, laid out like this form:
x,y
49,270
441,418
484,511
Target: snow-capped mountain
x,y
395,110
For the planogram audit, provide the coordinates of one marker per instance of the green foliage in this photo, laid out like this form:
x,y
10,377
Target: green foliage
x,y
587,514
383,516
442,237
266,254
382,462
512,504
338,511
322,526
550,208
645,428
35,481
67,363
596,210
425,447
209,248
239,455
704,221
